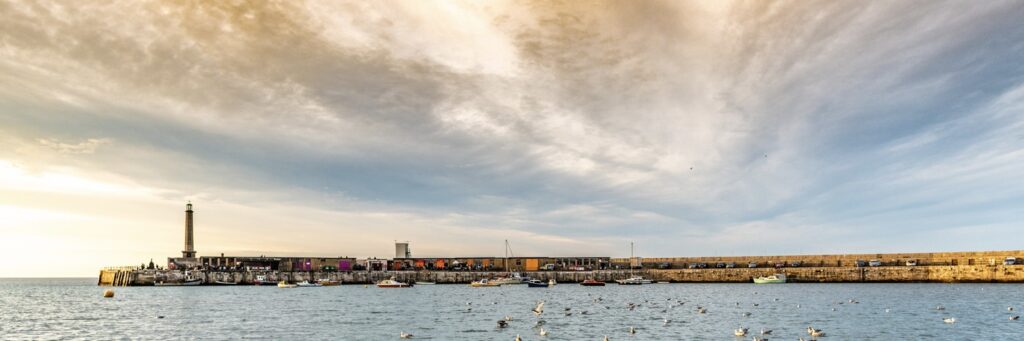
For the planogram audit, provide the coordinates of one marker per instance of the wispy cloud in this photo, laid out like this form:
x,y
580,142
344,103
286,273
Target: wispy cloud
x,y
567,125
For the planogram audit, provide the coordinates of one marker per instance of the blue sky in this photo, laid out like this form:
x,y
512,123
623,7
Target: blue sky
x,y
692,128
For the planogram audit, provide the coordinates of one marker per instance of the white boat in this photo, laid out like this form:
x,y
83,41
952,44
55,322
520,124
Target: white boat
x,y
188,281
392,283
633,279
263,280
284,284
551,282
425,283
776,278
484,283
307,284
513,278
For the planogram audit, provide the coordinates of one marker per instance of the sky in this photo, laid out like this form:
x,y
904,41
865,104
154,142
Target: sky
x,y
334,128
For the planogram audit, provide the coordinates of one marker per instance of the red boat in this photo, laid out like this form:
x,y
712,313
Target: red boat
x,y
592,283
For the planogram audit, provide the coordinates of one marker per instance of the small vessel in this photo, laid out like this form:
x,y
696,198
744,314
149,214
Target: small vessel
x,y
188,281
484,283
513,278
328,283
776,278
551,282
263,280
392,283
307,284
592,283
535,283
224,283
285,284
635,280
425,283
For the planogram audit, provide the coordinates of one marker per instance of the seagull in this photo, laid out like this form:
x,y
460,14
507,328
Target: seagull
x,y
518,338
755,304
667,321
740,332
940,308
539,323
632,330
759,339
811,331
508,318
543,332
502,324
1009,308
746,314
1014,318
887,310
766,332
818,333
405,335
949,320
539,309
606,338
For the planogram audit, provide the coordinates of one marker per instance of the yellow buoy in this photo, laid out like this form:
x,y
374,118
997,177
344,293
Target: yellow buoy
x,y
108,294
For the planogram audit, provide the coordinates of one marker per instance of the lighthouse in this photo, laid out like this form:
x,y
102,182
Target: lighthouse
x,y
190,251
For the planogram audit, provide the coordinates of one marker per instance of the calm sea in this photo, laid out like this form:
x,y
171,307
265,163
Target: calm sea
x,y
75,309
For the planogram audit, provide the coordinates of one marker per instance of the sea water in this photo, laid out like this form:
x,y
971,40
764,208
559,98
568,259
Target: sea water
x,y
76,309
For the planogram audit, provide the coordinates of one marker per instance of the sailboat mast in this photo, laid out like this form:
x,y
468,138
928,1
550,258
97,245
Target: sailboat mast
x,y
630,259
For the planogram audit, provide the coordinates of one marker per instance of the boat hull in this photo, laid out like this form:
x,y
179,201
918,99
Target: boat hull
x,y
537,285
597,284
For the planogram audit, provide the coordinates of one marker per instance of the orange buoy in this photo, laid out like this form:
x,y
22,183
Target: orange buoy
x,y
108,294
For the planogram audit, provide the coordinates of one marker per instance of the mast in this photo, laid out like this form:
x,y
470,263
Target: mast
x,y
631,259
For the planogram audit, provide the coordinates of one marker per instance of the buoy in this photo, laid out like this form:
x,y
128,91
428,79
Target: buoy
x,y
108,294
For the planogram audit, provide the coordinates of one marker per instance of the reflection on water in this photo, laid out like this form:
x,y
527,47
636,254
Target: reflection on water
x,y
66,308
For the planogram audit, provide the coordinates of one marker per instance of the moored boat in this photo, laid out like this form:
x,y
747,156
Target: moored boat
x,y
307,284
392,283
635,280
534,283
285,284
224,283
484,283
551,282
776,278
189,281
328,283
425,283
592,283
263,280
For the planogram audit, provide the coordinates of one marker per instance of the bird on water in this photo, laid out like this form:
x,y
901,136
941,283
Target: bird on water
x,y
405,335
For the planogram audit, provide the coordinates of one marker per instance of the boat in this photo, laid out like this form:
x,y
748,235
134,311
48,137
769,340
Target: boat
x,y
328,283
392,283
425,283
552,282
263,280
776,278
285,284
592,283
536,283
513,278
307,284
484,283
633,279
188,281
224,283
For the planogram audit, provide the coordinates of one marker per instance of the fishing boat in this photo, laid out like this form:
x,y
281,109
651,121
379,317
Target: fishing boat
x,y
536,283
592,283
513,278
188,281
263,280
633,279
328,283
484,283
776,278
285,284
307,284
392,283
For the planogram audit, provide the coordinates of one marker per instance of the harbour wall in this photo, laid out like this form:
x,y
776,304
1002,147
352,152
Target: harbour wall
x,y
838,260
945,274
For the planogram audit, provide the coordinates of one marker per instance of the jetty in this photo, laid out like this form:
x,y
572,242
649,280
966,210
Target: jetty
x,y
945,267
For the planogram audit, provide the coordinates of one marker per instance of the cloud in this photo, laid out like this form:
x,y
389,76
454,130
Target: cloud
x,y
87,146
657,121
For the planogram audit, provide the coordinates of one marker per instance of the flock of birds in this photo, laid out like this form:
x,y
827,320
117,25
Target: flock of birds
x,y
742,332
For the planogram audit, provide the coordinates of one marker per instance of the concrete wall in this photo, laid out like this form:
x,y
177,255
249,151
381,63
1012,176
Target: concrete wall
x,y
962,273
841,260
